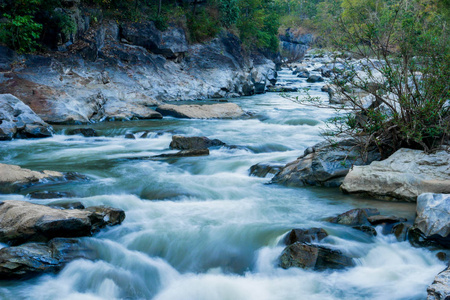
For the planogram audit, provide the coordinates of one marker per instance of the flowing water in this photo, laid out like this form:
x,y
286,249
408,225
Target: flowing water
x,y
201,227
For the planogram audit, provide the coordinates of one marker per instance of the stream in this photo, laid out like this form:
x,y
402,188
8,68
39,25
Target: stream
x,y
201,228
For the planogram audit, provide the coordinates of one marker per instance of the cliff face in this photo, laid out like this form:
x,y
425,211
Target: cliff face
x,y
117,71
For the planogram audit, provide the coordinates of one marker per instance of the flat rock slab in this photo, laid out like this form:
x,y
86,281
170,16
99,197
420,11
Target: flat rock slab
x,y
403,176
211,111
22,221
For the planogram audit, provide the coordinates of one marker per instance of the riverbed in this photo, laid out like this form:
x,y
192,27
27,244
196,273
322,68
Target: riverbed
x,y
201,227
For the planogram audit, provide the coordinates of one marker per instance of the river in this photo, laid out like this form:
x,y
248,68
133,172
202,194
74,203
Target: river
x,y
200,227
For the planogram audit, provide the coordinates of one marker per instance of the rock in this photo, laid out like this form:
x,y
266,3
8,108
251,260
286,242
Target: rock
x,y
403,176
49,195
194,142
305,236
130,136
260,87
22,221
7,57
120,111
14,178
440,288
28,260
401,231
357,216
325,72
17,120
282,89
303,74
109,216
325,166
171,43
212,111
185,153
262,170
87,132
66,205
313,257
442,256
367,229
380,219
433,218
314,78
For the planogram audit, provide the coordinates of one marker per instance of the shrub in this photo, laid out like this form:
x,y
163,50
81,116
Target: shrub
x,y
21,33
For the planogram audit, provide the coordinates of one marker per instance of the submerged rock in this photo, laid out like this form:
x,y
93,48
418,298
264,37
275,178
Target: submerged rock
x,y
22,221
440,288
403,176
305,235
314,257
262,170
325,164
49,195
433,218
211,111
17,120
194,142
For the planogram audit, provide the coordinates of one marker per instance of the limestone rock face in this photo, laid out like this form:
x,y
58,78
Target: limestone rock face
x,y
403,176
22,221
323,165
18,120
212,111
433,217
440,289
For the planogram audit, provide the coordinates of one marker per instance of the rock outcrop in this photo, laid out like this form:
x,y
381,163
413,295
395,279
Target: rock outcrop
x,y
22,221
294,45
17,120
14,178
403,176
324,164
433,218
211,111
440,288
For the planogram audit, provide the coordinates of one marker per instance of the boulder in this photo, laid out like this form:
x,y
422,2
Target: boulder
x,y
305,235
440,288
314,257
22,221
262,170
116,110
314,78
303,74
170,43
28,260
366,229
17,120
194,142
87,132
325,164
433,218
357,216
380,219
14,178
211,111
400,231
403,176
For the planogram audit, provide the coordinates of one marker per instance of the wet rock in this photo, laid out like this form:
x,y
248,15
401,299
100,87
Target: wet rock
x,y
32,259
325,72
401,231
305,235
49,195
403,176
262,170
433,218
357,216
440,288
194,142
17,120
212,111
130,136
442,256
314,78
107,216
87,132
282,89
313,257
367,229
325,166
380,219
304,74
67,205
24,222
185,153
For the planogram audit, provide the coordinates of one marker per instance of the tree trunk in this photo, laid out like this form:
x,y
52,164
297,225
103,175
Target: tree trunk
x,y
159,8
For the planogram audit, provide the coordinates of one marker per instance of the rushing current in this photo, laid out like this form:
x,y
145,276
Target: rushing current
x,y
201,228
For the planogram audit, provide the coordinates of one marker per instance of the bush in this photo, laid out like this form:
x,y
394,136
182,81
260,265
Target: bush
x,y
20,33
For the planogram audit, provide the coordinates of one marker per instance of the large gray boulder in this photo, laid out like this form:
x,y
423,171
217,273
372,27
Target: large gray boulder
x,y
440,288
211,111
193,142
433,218
17,120
403,176
22,222
14,178
325,164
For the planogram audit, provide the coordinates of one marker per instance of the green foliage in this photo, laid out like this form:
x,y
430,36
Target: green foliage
x,y
203,25
20,33
229,12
